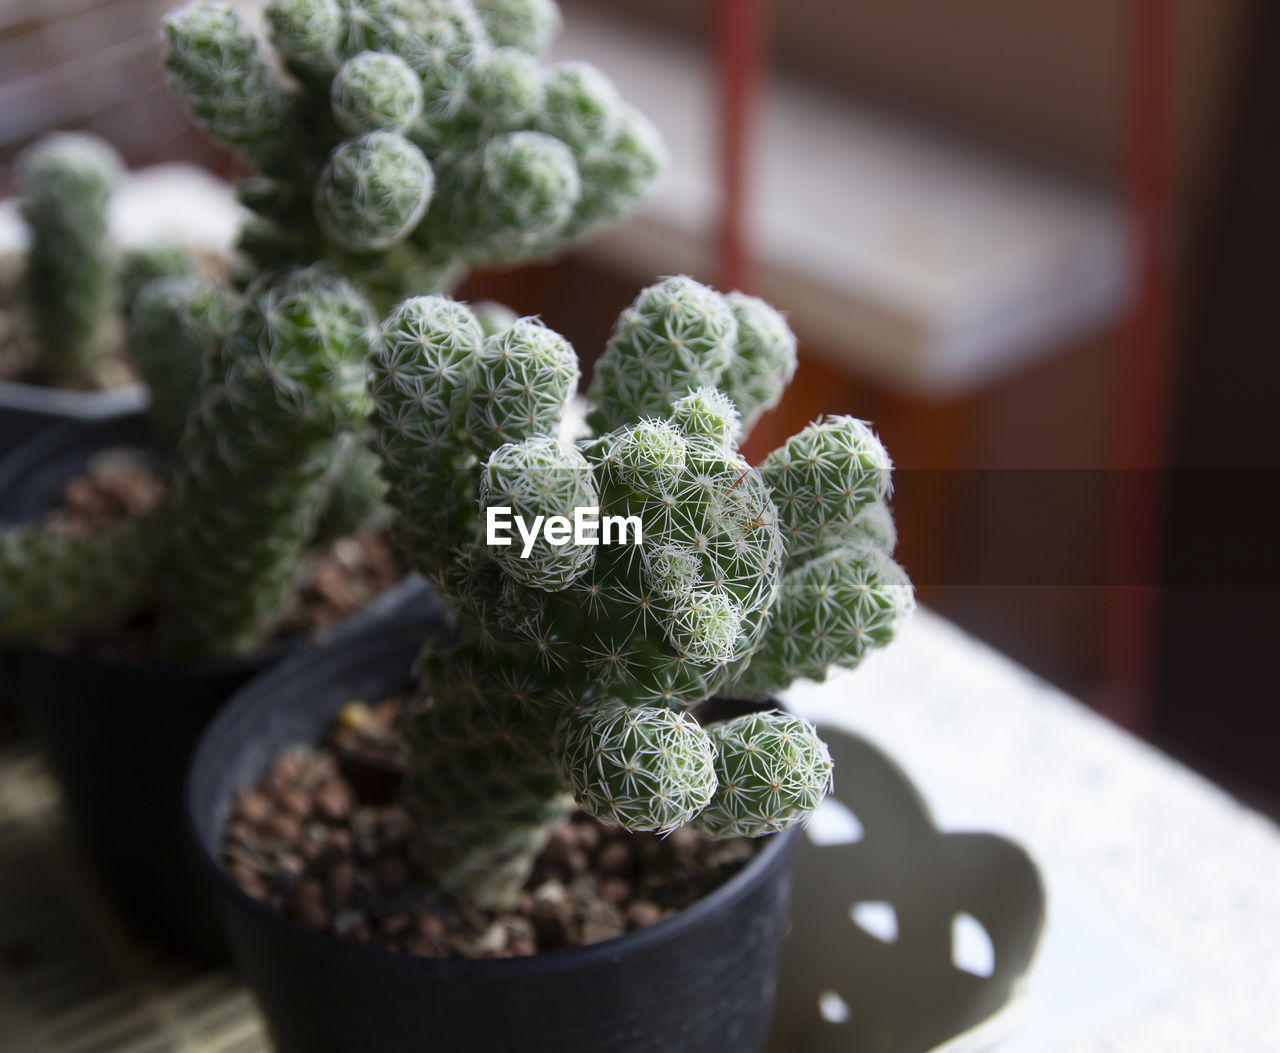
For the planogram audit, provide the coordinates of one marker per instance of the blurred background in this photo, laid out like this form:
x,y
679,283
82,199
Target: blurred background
x,y
1034,243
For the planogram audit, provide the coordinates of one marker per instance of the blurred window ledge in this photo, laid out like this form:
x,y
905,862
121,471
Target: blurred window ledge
x,y
175,202
935,269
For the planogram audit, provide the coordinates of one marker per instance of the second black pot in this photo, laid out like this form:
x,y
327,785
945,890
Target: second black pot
x,y
118,733
701,981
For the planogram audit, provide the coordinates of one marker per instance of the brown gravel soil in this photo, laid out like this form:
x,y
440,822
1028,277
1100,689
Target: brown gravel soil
x,y
324,840
334,582
115,484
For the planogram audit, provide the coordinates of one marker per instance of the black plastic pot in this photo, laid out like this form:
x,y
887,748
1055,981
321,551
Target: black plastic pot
x,y
33,473
702,980
27,410
118,733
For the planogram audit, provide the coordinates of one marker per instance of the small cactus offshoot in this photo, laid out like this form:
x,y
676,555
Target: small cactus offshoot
x,y
65,182
577,663
404,140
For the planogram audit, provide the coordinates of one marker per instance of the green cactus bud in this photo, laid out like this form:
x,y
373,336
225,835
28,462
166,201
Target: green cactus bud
x,y
677,336
524,376
874,525
673,569
419,381
772,771
529,25
376,92
176,324
354,493
619,173
581,109
764,360
705,625
638,767
428,355
306,33
503,91
708,416
651,456
65,182
216,68
507,200
830,611
436,37
146,263
536,480
373,191
822,479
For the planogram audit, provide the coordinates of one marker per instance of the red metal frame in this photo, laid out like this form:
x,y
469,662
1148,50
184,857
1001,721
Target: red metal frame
x,y
1142,385
1142,382
741,31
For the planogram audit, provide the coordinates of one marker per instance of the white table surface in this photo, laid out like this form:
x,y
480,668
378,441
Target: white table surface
x,y
1163,928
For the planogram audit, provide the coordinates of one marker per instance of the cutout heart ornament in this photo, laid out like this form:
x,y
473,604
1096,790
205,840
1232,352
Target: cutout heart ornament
x,y
902,936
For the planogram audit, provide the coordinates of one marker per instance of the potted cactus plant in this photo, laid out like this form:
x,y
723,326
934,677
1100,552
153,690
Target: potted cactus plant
x,y
395,144
67,294
163,613
572,675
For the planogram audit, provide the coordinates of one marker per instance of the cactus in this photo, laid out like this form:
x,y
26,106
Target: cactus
x,y
576,666
174,325
406,139
65,182
66,583
262,393
143,264
281,388
354,493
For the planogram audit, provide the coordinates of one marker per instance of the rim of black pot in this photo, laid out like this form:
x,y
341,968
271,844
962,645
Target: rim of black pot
x,y
356,624
258,693
182,669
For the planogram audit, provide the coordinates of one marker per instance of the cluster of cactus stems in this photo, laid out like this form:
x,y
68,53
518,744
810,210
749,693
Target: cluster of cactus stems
x,y
575,666
258,395
398,141
74,283
404,140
